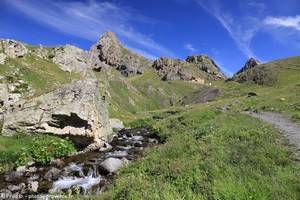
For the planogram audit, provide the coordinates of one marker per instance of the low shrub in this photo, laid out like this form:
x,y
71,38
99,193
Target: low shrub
x,y
44,148
296,117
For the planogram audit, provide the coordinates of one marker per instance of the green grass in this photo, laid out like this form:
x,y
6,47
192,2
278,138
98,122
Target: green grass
x,y
211,155
42,75
283,96
19,148
207,154
9,149
130,98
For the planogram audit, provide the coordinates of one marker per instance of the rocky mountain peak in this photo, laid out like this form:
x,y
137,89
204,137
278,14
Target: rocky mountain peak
x,y
109,36
251,63
110,51
206,64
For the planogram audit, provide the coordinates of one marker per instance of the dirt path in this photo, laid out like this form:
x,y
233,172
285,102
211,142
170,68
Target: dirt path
x,y
290,129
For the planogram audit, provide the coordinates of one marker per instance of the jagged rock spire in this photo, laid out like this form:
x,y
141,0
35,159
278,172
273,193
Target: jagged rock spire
x,y
251,62
110,51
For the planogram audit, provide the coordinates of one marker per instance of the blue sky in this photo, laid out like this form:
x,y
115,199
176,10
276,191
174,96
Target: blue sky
x,y
230,31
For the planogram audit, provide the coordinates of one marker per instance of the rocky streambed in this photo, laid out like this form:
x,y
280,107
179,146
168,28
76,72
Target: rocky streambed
x,y
86,173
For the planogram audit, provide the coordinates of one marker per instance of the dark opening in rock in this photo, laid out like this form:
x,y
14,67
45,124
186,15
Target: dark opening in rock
x,y
61,121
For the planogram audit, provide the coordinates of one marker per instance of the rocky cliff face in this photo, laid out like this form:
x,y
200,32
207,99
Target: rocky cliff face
x,y
70,58
175,69
110,51
76,110
206,64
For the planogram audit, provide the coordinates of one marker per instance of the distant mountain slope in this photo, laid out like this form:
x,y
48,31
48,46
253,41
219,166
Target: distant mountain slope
x,y
267,73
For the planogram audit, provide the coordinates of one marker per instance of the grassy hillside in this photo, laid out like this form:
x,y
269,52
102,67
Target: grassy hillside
x,y
131,97
210,151
40,74
214,151
211,154
281,96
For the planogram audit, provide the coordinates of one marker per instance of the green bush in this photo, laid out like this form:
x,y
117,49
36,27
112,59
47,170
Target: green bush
x,y
296,117
44,148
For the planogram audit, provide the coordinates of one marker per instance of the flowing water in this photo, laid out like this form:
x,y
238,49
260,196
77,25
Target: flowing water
x,y
86,173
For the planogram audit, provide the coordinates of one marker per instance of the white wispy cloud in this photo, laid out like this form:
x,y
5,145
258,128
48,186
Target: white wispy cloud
x,y
190,48
90,19
284,29
286,22
241,29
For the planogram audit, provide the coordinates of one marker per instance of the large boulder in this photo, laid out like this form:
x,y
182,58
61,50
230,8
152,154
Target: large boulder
x,y
111,165
12,48
116,124
208,65
76,110
110,51
175,69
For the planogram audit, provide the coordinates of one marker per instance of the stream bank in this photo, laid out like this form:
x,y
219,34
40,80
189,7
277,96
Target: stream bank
x,y
87,173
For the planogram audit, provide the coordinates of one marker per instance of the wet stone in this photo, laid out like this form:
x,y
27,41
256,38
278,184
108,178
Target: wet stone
x,y
137,138
14,176
117,154
14,188
52,174
5,194
121,148
139,144
111,165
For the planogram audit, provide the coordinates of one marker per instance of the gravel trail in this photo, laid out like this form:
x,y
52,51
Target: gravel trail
x,y
290,129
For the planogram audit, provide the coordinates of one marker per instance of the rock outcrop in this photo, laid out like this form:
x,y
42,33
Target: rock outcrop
x,y
2,58
175,69
73,59
110,51
256,72
206,64
70,58
12,48
76,110
8,97
251,63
